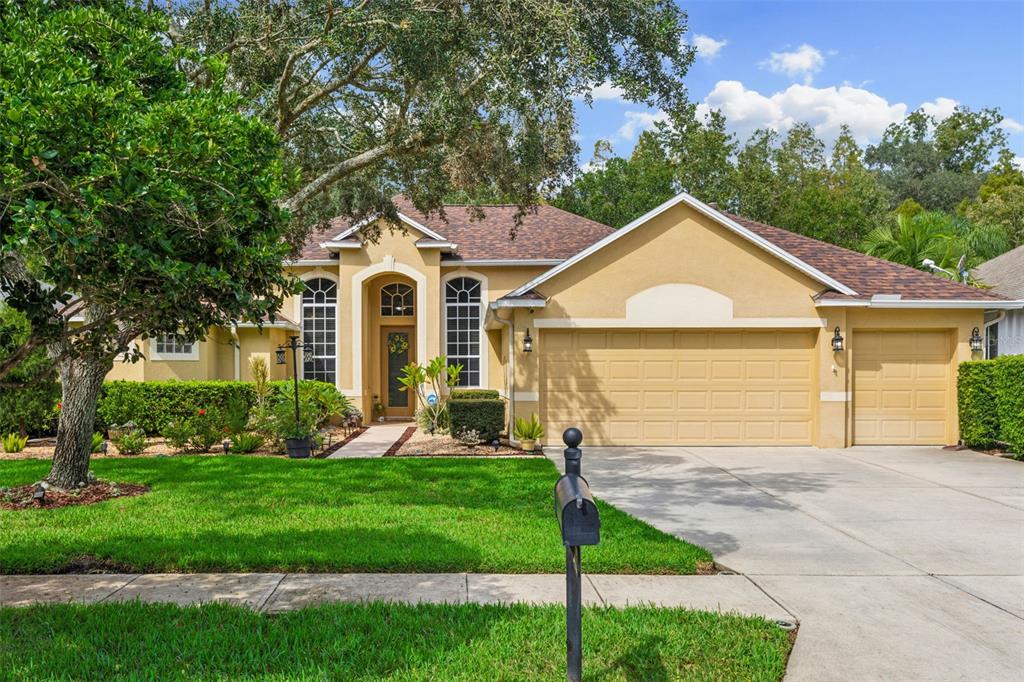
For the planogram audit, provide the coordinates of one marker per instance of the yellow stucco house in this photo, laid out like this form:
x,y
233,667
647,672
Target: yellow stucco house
x,y
687,326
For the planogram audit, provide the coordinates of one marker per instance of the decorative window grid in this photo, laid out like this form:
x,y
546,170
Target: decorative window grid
x,y
396,300
173,344
463,317
320,329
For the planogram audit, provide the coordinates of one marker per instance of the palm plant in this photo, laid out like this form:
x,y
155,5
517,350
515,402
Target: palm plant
x,y
912,239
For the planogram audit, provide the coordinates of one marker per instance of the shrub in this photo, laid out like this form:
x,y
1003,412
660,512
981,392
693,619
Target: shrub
x,y
475,394
529,429
244,443
433,418
13,442
1009,383
131,443
97,442
485,416
991,402
198,433
976,401
152,404
26,404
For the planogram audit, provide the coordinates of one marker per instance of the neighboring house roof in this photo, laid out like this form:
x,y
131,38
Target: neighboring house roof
x,y
1005,273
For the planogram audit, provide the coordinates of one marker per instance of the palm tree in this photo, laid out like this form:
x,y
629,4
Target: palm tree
x,y
911,240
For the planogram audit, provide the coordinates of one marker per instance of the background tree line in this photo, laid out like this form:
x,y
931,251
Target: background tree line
x,y
938,189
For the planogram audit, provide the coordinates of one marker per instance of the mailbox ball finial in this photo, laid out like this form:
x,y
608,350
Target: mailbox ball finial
x,y
572,437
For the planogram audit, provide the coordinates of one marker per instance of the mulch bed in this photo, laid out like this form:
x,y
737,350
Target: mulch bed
x,y
443,445
20,497
342,443
397,445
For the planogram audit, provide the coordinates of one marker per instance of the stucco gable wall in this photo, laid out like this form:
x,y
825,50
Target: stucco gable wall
x,y
680,256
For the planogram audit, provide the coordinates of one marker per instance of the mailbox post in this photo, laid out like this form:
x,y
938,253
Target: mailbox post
x,y
580,525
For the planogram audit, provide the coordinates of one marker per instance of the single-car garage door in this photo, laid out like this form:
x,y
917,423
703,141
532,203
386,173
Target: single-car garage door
x,y
633,387
902,387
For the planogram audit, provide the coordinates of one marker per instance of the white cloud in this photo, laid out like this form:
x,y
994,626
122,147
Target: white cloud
x,y
607,91
1018,161
707,47
941,108
639,121
805,61
826,109
1012,126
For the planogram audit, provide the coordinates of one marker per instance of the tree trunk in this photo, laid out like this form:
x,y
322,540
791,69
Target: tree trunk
x,y
81,379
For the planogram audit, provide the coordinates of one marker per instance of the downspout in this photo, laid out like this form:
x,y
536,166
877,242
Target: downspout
x,y
238,351
510,373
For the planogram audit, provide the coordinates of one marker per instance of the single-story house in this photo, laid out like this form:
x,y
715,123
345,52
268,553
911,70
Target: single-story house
x,y
1004,329
687,326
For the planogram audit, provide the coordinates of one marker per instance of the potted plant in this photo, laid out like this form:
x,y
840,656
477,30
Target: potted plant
x,y
296,432
528,432
298,441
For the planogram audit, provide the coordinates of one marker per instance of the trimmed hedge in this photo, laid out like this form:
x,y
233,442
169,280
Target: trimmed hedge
x,y
152,404
475,394
976,402
486,416
1010,401
990,396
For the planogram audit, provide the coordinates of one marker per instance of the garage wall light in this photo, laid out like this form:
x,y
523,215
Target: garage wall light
x,y
527,342
837,342
976,340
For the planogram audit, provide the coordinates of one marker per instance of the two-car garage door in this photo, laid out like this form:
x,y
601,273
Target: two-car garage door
x,y
639,387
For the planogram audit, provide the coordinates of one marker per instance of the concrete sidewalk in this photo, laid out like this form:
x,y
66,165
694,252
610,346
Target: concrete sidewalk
x,y
373,442
275,592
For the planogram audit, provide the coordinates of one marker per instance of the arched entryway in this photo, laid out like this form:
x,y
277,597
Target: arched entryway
x,y
393,307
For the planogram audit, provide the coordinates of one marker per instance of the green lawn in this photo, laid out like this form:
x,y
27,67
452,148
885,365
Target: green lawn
x,y
381,642
237,513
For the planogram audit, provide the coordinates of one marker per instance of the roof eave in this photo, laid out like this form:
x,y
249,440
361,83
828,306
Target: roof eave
x,y
518,303
979,304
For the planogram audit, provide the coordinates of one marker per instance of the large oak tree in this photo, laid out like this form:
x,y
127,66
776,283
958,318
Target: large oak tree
x,y
131,202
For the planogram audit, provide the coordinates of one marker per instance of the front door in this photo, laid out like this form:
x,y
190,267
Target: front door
x,y
397,352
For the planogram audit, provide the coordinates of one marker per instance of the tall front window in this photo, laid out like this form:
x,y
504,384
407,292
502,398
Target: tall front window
x,y
463,313
320,328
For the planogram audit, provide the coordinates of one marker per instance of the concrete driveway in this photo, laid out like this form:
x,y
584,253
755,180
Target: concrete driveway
x,y
901,563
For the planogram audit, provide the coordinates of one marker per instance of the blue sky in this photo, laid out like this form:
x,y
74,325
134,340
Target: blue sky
x,y
863,63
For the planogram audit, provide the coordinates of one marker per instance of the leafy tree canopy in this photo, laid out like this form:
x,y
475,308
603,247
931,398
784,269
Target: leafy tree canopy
x,y
1000,201
126,195
434,98
938,163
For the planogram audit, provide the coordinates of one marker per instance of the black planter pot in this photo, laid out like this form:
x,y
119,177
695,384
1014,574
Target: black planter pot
x,y
299,448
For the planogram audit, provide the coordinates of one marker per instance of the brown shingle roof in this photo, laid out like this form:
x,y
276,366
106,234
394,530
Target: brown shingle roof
x,y
546,233
866,275
1005,273
312,250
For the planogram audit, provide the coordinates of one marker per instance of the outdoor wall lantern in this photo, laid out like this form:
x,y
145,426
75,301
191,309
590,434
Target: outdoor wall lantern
x,y
976,340
527,342
837,342
280,355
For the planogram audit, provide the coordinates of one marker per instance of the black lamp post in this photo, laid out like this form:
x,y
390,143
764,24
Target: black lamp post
x,y
307,354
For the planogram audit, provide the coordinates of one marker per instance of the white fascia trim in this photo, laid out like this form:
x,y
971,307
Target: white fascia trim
x,y
497,262
925,303
436,244
312,261
735,323
268,325
519,303
336,244
703,209
401,216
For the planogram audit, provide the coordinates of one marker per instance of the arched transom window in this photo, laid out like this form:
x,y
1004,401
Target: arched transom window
x,y
396,300
463,315
320,328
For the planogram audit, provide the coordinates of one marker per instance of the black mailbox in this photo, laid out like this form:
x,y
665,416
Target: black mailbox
x,y
576,511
